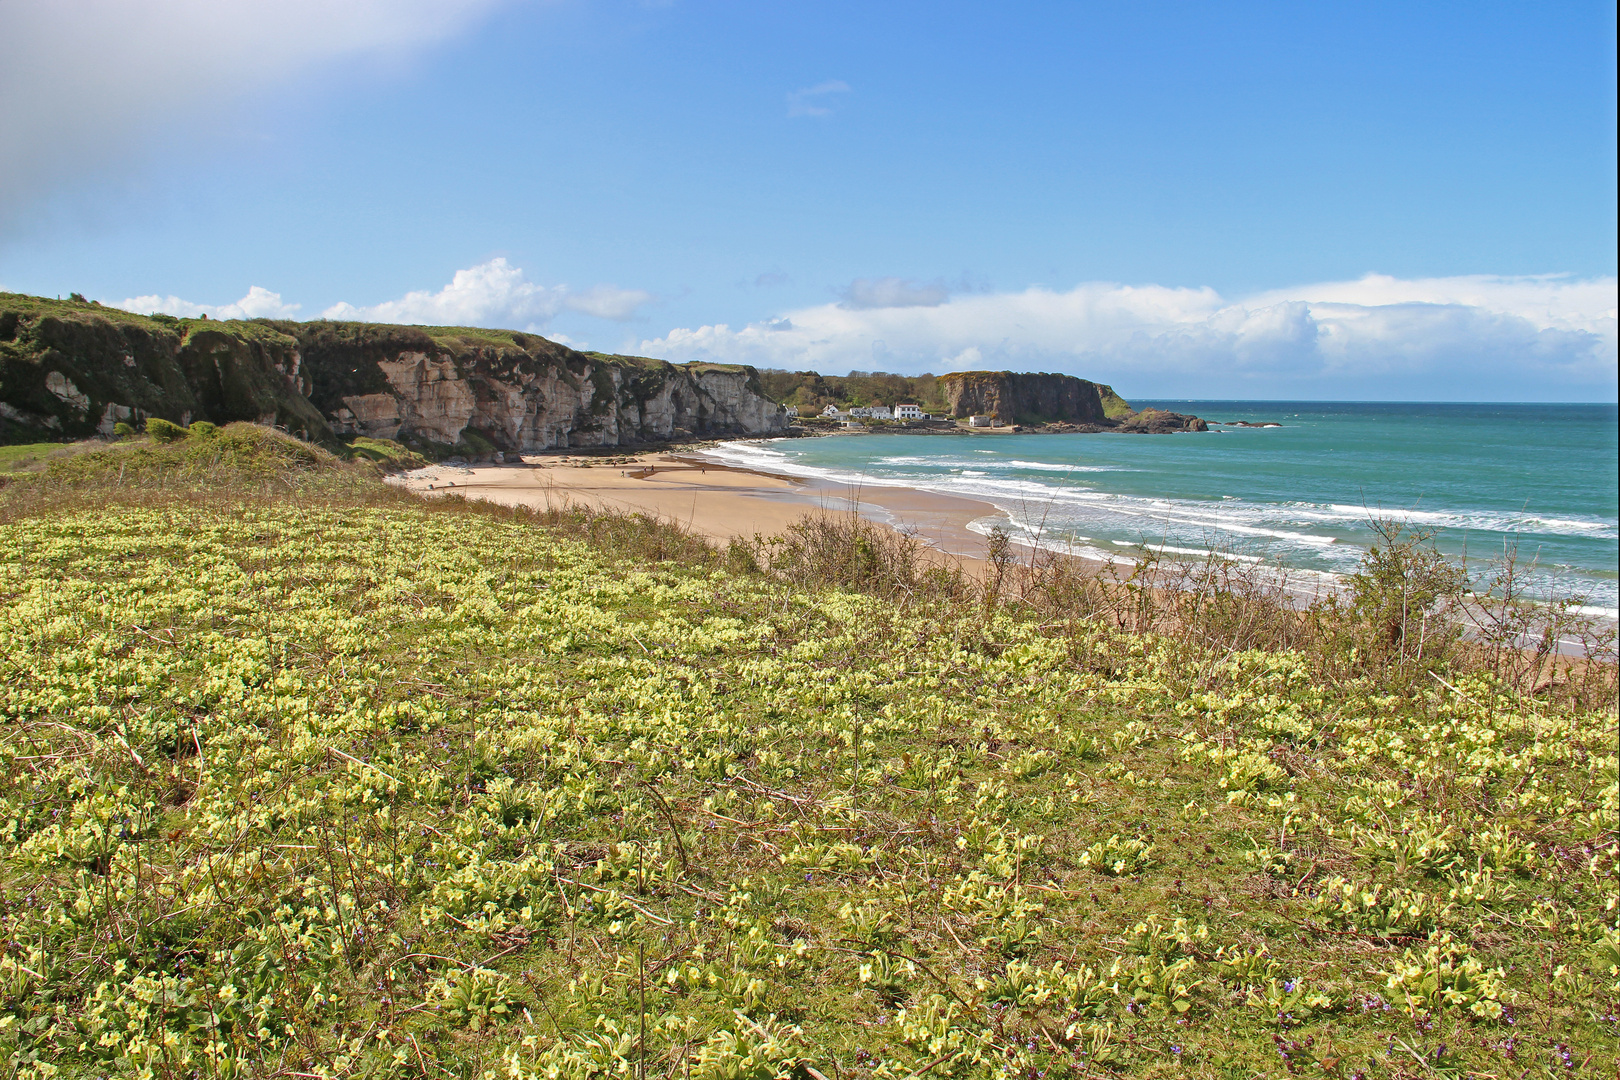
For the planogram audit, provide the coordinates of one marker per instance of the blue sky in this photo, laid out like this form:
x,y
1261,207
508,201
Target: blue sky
x,y
1183,199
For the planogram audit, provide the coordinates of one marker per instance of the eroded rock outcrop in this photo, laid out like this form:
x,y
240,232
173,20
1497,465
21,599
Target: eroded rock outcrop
x,y
1055,403
517,391
1160,422
72,369
1011,397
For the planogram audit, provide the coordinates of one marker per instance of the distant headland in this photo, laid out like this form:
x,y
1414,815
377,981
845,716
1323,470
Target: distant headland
x,y
72,369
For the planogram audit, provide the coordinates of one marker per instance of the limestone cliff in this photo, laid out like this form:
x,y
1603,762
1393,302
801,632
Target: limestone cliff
x,y
70,369
1024,398
518,391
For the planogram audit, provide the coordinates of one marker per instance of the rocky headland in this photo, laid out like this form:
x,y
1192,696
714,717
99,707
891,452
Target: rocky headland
x,y
74,369
1058,403
1010,397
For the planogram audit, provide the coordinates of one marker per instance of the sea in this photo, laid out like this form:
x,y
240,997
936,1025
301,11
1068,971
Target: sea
x,y
1300,493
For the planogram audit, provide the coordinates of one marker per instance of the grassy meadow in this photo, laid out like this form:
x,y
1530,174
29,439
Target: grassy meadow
x,y
306,777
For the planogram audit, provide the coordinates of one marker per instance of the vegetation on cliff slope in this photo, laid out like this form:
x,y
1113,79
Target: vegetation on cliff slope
x,y
812,392
313,778
71,369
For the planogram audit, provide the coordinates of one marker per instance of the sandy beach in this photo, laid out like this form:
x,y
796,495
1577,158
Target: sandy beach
x,y
713,499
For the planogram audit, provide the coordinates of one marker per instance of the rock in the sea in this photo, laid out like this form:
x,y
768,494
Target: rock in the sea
x,y
1160,422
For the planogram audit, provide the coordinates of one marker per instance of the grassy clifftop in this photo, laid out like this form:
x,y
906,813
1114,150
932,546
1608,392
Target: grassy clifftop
x,y
327,781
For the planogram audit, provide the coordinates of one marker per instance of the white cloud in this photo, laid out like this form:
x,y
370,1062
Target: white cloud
x,y
894,292
259,303
1480,336
85,79
496,293
609,302
490,294
813,100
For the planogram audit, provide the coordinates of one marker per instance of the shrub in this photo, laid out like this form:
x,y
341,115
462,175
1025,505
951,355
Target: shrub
x,y
203,429
162,430
122,430
1407,589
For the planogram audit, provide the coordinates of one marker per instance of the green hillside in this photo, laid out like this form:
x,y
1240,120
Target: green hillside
x,y
812,392
307,777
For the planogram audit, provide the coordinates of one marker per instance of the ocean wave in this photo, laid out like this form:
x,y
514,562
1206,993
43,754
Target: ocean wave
x,y
964,463
1482,520
1205,553
1044,466
1026,537
754,456
1066,514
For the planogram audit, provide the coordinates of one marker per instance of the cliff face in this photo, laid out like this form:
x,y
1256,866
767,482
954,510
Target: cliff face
x,y
1011,397
74,370
517,391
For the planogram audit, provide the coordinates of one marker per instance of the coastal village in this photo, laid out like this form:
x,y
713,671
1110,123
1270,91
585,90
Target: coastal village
x,y
855,417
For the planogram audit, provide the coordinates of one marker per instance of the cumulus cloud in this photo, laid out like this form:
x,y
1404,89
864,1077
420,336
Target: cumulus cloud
x,y
1461,337
496,293
83,79
609,302
815,100
259,303
890,292
491,294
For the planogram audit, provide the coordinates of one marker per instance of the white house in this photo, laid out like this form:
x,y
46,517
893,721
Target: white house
x,y
872,412
791,411
908,411
981,421
831,412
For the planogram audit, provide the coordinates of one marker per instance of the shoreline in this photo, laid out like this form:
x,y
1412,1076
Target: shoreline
x,y
722,501
715,499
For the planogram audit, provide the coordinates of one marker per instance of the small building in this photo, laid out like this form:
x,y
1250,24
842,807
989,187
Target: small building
x,y
790,411
907,410
831,412
981,421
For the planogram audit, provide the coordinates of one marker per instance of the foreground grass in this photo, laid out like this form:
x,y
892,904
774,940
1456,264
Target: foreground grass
x,y
384,790
23,456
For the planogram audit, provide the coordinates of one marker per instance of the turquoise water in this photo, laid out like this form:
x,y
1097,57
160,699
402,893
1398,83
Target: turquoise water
x,y
1300,494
